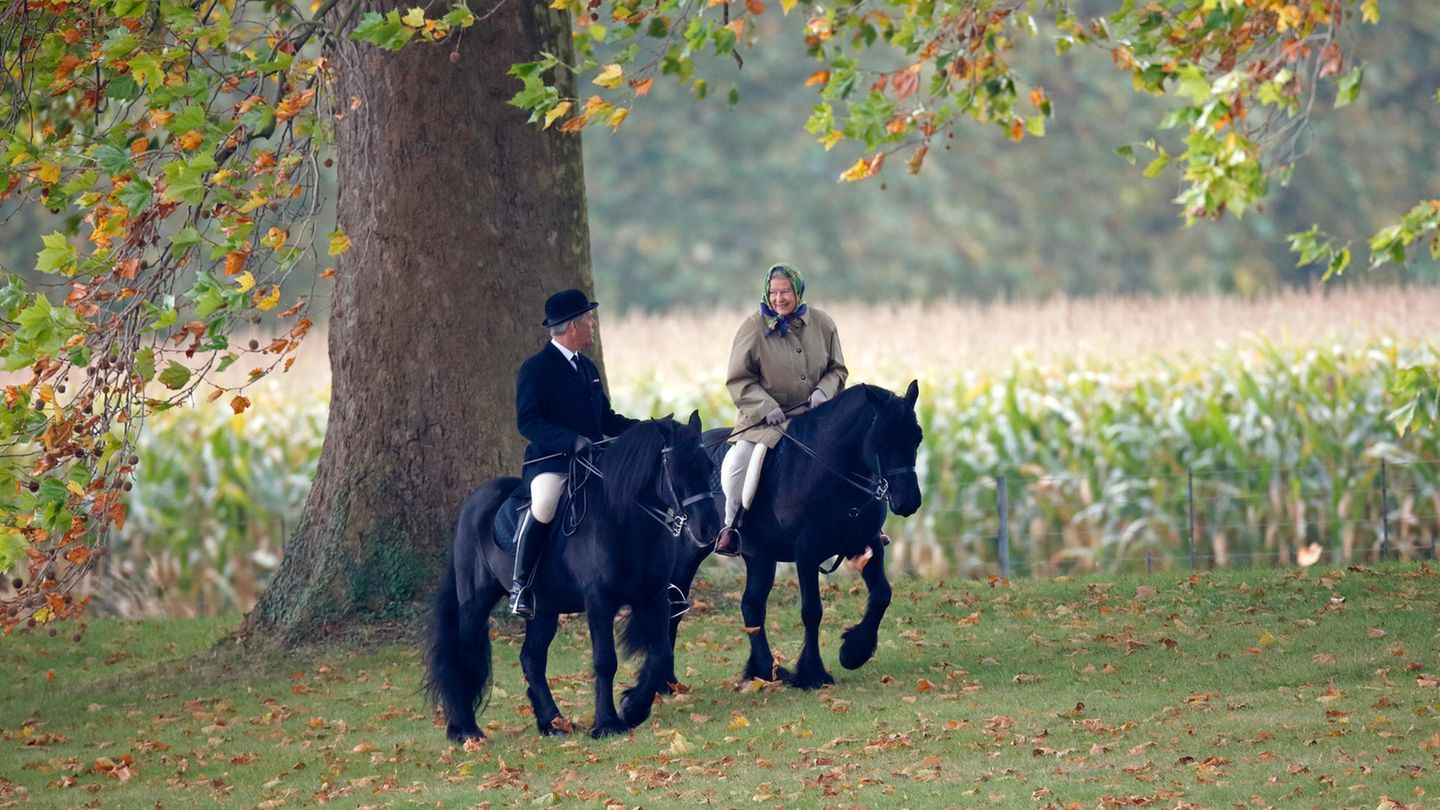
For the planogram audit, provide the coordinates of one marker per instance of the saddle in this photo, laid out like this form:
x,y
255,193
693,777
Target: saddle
x,y
507,518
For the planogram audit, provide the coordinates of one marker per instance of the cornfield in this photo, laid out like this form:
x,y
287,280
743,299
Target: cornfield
x,y
1272,413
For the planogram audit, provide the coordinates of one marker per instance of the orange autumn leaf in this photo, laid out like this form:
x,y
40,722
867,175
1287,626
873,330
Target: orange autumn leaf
x,y
235,261
294,104
818,77
190,140
239,404
906,82
755,7
642,86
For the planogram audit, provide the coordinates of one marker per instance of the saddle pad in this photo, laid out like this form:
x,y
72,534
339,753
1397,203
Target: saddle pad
x,y
717,455
507,518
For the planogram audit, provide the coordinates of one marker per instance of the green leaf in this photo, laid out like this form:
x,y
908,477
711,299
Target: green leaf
x,y
191,117
145,364
160,317
1349,87
12,549
58,255
175,376
388,32
112,159
185,237
1157,165
136,196
1193,83
1127,152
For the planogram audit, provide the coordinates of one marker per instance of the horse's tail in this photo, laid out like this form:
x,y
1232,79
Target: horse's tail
x,y
646,628
458,672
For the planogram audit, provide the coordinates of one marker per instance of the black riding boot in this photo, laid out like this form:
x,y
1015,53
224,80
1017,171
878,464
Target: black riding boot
x,y
529,542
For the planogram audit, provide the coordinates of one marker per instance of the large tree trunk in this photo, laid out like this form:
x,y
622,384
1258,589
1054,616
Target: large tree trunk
x,y
463,218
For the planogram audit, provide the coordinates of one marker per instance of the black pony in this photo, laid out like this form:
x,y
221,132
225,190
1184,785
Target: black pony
x,y
823,492
616,545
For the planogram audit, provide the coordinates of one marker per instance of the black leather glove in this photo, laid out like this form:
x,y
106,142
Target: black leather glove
x,y
582,445
775,416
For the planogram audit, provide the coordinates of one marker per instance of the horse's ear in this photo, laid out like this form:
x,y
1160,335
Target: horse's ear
x,y
912,393
695,421
667,417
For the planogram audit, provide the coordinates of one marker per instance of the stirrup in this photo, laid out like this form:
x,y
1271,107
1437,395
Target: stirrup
x,y
679,605
732,552
522,604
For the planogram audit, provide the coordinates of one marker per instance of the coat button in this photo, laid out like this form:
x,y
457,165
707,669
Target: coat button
x,y
802,376
798,350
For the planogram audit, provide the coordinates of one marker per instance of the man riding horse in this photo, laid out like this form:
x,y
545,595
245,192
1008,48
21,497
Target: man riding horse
x,y
562,409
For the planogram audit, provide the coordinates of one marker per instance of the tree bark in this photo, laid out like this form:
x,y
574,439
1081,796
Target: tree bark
x,y
463,218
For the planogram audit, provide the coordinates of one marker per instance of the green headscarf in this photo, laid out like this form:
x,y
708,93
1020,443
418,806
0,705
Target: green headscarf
x,y
796,280
773,319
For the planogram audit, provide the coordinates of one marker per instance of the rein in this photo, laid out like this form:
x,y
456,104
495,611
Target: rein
x,y
674,520
877,487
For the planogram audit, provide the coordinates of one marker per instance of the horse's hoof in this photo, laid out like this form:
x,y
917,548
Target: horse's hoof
x,y
610,729
855,650
557,726
463,734
633,709
811,680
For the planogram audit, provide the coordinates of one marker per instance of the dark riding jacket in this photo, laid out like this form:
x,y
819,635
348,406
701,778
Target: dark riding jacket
x,y
554,403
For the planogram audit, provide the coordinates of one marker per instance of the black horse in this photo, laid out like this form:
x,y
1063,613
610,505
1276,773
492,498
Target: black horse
x,y
822,496
614,543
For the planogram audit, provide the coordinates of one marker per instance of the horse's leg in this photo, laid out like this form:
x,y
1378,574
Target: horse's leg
x,y
458,657
647,633
858,643
809,668
683,578
759,579
534,659
600,612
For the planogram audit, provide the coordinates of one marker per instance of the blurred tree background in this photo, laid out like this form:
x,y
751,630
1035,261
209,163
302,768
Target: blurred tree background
x,y
689,200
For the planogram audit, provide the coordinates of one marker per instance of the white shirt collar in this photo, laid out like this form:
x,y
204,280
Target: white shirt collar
x,y
569,355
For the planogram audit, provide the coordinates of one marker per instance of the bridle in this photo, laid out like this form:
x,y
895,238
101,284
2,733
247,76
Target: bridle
x,y
875,485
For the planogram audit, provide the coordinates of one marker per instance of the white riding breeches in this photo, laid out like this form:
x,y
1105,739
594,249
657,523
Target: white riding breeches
x,y
545,490
740,475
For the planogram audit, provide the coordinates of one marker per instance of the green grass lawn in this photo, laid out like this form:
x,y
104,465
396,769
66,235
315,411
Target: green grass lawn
x,y
1254,688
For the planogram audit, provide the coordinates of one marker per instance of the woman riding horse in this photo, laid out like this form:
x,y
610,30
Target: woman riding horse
x,y
785,359
823,495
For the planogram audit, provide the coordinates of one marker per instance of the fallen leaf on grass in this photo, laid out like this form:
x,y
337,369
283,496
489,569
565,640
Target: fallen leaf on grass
x,y
1025,677
1376,632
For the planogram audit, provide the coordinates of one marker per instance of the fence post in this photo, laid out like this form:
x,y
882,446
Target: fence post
x,y
1190,510
1004,539
1384,514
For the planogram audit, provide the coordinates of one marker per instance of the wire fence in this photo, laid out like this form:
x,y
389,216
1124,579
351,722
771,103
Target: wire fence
x,y
1189,519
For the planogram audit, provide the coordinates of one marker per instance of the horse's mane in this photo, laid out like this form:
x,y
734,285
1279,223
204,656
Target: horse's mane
x,y
632,461
832,430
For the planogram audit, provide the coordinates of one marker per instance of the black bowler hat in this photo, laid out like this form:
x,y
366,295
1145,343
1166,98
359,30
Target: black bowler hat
x,y
566,305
